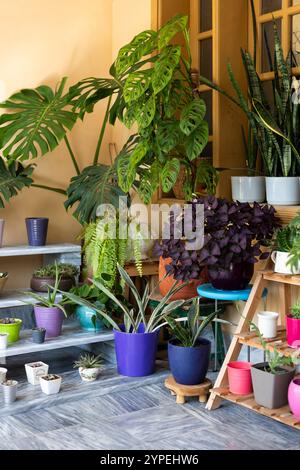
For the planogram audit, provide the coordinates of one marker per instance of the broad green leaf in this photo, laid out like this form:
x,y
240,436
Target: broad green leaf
x,y
88,92
131,114
164,68
147,113
142,44
170,174
175,25
168,135
197,141
138,154
13,178
192,115
149,182
40,119
136,85
127,161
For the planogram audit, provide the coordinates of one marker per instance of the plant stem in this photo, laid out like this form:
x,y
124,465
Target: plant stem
x,y
102,130
49,188
72,155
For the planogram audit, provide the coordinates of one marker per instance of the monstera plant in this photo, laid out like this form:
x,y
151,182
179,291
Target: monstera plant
x,y
151,87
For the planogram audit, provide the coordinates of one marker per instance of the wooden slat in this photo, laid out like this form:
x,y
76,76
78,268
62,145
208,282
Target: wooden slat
x,y
281,278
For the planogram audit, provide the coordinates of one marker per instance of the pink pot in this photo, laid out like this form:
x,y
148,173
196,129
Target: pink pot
x,y
239,377
294,397
293,332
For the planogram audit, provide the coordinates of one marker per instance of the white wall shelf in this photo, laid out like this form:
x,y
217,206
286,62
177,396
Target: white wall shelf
x,y
26,250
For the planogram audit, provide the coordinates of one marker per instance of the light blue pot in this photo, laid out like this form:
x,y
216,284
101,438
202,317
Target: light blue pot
x,y
84,316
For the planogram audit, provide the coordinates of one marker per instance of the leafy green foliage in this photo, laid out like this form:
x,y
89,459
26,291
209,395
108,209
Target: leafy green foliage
x,y
170,174
295,311
197,141
175,25
64,270
39,122
88,361
192,116
13,178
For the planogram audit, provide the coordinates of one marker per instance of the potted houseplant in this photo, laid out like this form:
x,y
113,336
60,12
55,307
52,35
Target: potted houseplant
x,y
233,235
49,312
35,370
89,367
50,383
188,353
9,388
37,228
3,280
38,335
135,339
44,276
293,326
284,257
271,379
11,327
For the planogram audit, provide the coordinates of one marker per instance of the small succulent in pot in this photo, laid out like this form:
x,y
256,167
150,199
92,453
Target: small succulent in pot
x,y
89,367
50,384
45,276
234,234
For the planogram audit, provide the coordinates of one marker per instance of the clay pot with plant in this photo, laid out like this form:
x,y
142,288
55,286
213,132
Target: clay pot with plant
x,y
89,367
45,276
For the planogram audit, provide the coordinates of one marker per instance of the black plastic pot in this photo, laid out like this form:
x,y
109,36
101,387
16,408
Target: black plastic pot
x,y
38,335
236,277
189,366
271,390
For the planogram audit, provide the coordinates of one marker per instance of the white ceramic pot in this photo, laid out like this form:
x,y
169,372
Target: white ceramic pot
x,y
267,324
35,370
280,259
248,188
283,191
3,373
89,375
3,341
50,387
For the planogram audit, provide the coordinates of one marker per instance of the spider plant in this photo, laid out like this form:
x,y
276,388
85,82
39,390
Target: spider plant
x,y
134,317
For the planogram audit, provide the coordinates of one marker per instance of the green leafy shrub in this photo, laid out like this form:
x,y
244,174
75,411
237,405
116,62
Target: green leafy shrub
x,y
295,311
64,270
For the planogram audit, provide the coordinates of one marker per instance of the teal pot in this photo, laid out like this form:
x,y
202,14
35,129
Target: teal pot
x,y
283,191
84,316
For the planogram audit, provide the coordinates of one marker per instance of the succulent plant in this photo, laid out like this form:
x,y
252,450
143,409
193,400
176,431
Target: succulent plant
x,y
87,361
64,270
234,233
295,311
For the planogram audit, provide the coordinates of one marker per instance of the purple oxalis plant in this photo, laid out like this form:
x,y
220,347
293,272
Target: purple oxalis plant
x,y
234,233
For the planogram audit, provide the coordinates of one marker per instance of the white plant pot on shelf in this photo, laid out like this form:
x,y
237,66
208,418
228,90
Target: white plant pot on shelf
x,y
50,387
267,324
35,370
280,259
89,375
3,373
283,191
3,341
248,188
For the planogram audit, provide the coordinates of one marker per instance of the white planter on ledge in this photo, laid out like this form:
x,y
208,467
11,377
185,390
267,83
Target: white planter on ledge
x,y
283,191
248,188
267,324
89,375
35,370
280,258
50,384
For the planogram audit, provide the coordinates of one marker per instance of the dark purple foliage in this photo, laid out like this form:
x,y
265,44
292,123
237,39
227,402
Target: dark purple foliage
x,y
234,233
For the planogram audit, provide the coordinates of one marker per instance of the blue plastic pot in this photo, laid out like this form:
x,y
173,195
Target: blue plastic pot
x,y
84,316
136,352
189,366
37,228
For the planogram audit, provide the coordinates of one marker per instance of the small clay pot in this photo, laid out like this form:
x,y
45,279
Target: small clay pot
x,y
39,284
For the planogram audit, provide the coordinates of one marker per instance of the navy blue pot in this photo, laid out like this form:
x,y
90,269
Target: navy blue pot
x,y
189,366
37,228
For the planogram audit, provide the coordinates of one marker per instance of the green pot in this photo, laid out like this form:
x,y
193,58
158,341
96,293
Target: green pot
x,y
12,329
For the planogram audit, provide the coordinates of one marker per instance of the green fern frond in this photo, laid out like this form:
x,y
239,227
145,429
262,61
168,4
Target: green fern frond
x,y
138,256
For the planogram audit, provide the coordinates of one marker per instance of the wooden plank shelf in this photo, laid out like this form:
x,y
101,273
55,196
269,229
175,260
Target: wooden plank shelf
x,y
283,415
252,340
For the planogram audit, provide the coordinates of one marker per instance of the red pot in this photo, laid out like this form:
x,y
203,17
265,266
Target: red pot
x,y
186,292
293,332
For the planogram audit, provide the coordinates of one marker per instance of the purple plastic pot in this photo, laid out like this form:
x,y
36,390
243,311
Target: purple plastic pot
x,y
136,352
237,277
49,318
37,228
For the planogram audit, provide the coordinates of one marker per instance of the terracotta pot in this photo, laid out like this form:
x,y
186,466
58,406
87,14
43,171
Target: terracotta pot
x,y
187,292
39,284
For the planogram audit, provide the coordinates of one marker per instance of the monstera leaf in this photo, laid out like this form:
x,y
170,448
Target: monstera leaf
x,y
175,25
94,186
13,178
143,44
86,93
38,123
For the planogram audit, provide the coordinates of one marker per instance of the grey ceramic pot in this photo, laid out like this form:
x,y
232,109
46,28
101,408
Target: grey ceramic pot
x,y
270,390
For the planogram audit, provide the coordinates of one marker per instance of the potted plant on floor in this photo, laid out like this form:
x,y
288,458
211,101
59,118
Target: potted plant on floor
x,y
48,311
233,236
135,339
271,379
293,326
50,384
9,388
188,353
35,370
11,327
44,276
89,367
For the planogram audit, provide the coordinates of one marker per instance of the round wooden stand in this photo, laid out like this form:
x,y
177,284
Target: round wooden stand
x,y
182,391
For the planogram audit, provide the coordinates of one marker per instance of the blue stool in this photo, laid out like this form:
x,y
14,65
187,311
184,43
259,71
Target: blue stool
x,y
207,291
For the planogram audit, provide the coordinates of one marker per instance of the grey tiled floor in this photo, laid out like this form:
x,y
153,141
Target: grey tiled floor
x,y
129,415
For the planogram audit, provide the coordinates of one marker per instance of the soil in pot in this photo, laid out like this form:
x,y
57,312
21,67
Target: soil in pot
x,y
189,366
271,390
40,284
236,277
166,283
12,327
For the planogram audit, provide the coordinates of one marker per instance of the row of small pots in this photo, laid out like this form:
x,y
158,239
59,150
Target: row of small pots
x,y
267,325
270,390
277,191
